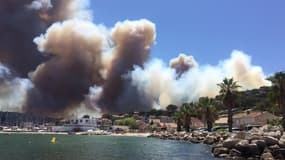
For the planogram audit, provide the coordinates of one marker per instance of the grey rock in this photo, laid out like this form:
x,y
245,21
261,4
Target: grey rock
x,y
270,140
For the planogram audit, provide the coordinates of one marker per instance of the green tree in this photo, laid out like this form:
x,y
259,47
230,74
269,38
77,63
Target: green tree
x,y
207,109
228,89
278,92
129,121
171,109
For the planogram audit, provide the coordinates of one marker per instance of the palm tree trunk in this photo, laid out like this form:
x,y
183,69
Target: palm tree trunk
x,y
208,120
187,124
209,126
230,118
178,125
282,105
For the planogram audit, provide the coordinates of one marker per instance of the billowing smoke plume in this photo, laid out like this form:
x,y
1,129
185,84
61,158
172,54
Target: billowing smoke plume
x,y
75,65
182,63
21,22
132,40
75,48
160,83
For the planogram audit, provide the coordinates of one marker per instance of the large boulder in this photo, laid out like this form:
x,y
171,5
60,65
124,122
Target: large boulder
x,y
281,141
260,144
230,142
242,146
240,135
279,153
270,140
221,150
210,140
194,140
235,153
267,156
274,149
246,149
254,137
253,149
276,134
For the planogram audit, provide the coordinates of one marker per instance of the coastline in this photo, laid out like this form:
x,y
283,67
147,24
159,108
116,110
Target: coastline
x,y
34,133
266,143
128,134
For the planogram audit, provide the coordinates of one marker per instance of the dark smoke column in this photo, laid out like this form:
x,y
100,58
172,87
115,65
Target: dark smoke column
x,y
132,46
22,20
18,27
61,83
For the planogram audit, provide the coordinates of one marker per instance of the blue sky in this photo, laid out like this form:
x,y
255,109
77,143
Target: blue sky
x,y
207,29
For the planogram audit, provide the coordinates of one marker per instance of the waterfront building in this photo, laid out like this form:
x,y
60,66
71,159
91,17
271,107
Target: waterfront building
x,y
75,125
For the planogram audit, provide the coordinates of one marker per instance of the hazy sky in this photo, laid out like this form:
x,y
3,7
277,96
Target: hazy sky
x,y
207,29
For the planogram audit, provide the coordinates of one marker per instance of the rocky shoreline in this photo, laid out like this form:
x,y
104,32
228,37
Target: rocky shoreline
x,y
266,143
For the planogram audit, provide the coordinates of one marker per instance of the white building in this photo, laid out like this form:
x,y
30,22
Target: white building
x,y
75,125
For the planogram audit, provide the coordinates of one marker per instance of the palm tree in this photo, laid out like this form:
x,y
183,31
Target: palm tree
x,y
186,112
227,89
178,119
278,92
207,108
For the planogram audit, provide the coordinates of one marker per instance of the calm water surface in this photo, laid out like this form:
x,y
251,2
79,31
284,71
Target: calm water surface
x,y
38,147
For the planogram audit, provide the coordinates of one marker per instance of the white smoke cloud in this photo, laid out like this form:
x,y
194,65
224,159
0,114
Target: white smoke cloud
x,y
159,82
92,98
89,105
79,9
13,90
